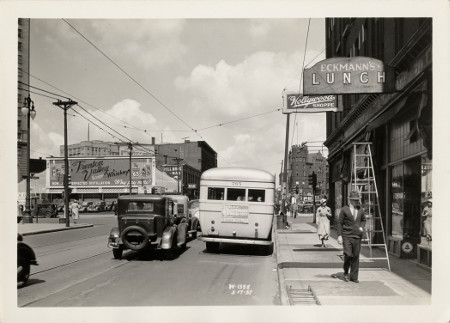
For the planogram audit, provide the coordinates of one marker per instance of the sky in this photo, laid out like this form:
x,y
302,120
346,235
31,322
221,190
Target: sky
x,y
220,80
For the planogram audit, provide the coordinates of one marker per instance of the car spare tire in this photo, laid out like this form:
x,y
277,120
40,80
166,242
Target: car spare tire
x,y
135,238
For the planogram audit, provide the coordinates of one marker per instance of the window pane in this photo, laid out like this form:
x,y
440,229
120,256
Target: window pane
x,y
140,206
216,193
236,194
256,195
397,201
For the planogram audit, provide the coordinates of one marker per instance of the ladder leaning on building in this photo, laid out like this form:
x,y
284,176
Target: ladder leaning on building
x,y
363,181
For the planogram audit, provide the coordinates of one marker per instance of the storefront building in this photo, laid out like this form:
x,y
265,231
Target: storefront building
x,y
397,123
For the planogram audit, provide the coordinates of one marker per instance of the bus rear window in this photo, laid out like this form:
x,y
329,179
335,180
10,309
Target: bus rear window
x,y
236,194
216,193
256,195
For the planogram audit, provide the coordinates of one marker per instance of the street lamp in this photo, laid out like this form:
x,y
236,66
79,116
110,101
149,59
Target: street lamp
x,y
29,112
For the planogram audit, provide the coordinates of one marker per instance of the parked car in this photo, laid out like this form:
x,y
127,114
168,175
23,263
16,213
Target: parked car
x,y
98,206
307,207
182,211
194,214
25,258
48,210
109,206
147,221
85,206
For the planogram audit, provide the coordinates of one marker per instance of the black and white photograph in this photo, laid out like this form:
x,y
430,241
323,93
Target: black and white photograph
x,y
224,161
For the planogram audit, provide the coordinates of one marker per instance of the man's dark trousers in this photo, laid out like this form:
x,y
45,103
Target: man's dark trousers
x,y
352,246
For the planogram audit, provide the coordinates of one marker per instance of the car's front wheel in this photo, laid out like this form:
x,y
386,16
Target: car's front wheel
x,y
117,252
23,270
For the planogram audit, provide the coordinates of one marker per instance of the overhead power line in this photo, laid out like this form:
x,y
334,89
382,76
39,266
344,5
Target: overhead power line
x,y
133,79
245,118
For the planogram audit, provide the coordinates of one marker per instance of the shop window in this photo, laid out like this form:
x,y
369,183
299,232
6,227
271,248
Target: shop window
x,y
397,198
426,194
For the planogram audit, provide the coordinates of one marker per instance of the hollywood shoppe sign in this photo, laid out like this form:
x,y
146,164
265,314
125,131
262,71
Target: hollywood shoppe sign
x,y
92,172
348,75
298,103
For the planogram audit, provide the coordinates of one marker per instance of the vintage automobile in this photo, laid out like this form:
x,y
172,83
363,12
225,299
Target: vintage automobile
x,y
147,221
182,211
25,258
98,206
84,206
194,214
48,210
109,206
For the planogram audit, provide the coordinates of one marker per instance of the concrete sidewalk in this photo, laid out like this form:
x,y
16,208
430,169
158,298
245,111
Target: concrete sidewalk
x,y
38,228
310,274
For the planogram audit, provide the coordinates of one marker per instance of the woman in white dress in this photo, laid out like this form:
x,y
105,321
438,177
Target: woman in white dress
x,y
75,211
323,223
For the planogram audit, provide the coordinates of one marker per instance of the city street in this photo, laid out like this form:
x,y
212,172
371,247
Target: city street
x,y
76,268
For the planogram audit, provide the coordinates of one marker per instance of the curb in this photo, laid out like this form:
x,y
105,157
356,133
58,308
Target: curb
x,y
284,297
56,229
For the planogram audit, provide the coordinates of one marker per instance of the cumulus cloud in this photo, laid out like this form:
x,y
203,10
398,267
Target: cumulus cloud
x,y
150,42
248,86
259,28
124,120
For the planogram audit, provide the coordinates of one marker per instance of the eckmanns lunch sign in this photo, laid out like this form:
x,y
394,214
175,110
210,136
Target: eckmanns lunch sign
x,y
348,75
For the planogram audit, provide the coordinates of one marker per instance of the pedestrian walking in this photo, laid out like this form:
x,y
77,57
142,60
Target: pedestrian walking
x,y
323,215
294,210
427,216
350,227
75,211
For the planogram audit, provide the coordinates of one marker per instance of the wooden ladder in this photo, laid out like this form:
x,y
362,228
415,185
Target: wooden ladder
x,y
363,181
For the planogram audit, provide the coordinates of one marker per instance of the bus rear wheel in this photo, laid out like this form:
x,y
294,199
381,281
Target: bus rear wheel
x,y
212,247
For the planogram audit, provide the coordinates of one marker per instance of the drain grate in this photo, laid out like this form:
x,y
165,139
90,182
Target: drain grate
x,y
302,296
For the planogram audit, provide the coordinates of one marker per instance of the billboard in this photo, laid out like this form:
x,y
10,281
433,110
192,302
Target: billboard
x,y
348,75
298,103
106,171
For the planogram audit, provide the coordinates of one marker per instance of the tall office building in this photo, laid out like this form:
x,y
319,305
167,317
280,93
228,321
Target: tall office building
x,y
398,123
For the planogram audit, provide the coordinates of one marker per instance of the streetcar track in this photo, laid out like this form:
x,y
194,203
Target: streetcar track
x,y
69,263
68,241
75,283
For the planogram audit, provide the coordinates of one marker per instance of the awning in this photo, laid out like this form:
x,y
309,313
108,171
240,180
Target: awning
x,y
417,99
386,116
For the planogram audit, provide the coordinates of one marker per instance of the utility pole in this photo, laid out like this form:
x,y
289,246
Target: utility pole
x,y
284,186
66,106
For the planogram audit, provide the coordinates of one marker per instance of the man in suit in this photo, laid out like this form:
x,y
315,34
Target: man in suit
x,y
350,227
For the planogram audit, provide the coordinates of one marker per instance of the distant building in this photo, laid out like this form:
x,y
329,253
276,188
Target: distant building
x,y
301,164
197,154
188,158
23,62
93,148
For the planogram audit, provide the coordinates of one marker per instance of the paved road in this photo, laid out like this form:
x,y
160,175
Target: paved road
x,y
77,269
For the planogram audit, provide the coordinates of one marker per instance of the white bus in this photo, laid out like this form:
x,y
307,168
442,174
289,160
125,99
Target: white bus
x,y
236,206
